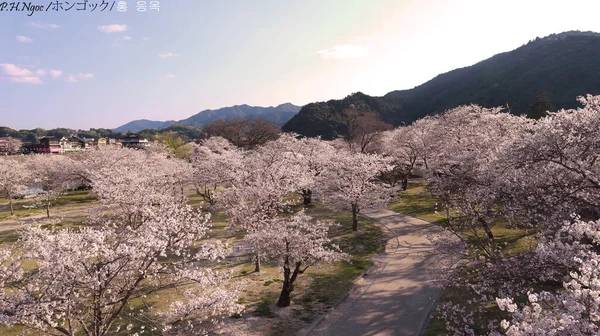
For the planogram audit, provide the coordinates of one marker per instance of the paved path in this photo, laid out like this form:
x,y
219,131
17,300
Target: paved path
x,y
395,298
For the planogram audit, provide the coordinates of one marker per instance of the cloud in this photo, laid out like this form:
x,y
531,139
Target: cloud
x,y
117,42
16,74
40,72
79,76
145,39
345,51
43,25
114,28
85,75
24,39
167,55
169,76
55,73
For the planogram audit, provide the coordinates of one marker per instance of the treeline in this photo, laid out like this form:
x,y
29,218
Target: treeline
x,y
187,133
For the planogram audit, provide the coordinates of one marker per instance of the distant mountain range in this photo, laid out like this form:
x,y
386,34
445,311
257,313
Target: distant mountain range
x,y
565,65
278,115
141,124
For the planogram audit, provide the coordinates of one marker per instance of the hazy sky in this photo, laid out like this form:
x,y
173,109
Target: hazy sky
x,y
83,69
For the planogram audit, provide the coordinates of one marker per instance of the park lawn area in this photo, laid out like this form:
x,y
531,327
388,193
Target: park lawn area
x,y
315,292
70,200
416,202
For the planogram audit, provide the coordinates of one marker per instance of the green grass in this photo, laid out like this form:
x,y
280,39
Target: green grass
x,y
70,200
415,201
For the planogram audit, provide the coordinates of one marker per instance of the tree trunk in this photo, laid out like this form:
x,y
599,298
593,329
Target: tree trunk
x,y
307,196
12,212
354,217
284,297
288,284
48,206
257,263
487,229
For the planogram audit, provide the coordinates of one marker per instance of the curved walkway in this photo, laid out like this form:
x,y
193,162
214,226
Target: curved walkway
x,y
396,297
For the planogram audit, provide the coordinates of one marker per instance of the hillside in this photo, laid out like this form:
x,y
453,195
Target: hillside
x,y
141,124
278,115
565,65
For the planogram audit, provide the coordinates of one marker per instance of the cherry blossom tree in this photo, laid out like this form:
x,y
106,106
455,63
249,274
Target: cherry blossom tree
x,y
214,165
296,243
574,311
308,158
488,167
464,171
13,179
401,145
557,171
85,280
351,182
54,174
263,179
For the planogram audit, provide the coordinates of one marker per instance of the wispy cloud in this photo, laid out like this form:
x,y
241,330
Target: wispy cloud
x,y
169,76
40,72
117,42
167,55
43,25
79,76
346,51
113,28
85,75
145,39
16,74
55,73
24,39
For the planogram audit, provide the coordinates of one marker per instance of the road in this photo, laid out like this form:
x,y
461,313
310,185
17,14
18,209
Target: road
x,y
396,297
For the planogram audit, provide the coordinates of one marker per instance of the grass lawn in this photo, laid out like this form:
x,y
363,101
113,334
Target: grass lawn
x,y
415,201
68,201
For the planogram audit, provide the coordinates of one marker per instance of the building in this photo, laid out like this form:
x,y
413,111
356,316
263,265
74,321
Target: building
x,y
83,143
67,145
48,144
135,141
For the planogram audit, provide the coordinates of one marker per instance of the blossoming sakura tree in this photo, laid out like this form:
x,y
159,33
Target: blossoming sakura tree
x,y
85,280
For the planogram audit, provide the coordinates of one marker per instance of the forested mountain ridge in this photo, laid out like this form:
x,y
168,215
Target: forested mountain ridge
x,y
564,65
142,124
278,115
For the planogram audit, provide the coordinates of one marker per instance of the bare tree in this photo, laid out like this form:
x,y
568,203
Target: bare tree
x,y
244,133
362,129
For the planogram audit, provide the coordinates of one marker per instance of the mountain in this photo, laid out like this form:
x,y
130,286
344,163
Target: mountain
x,y
565,65
278,115
138,125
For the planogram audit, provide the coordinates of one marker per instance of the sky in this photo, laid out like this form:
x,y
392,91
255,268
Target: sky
x,y
81,68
